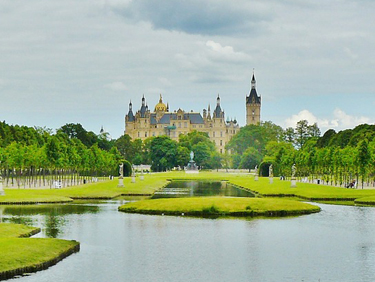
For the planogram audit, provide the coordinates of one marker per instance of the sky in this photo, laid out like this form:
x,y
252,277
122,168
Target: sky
x,y
82,61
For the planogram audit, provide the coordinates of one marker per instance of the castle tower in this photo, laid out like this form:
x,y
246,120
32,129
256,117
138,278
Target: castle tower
x,y
253,103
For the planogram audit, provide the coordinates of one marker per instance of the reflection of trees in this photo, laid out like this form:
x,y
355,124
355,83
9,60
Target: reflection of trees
x,y
54,224
53,215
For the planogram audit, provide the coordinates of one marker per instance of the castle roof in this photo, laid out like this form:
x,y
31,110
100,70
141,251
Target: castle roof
x,y
194,118
253,97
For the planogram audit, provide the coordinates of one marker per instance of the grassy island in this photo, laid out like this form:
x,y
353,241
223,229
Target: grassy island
x,y
25,255
220,206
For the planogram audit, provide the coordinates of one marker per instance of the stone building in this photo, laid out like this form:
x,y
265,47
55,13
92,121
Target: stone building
x,y
161,121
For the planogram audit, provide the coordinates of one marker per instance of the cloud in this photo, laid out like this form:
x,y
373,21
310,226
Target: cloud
x,y
217,52
214,63
339,120
210,17
165,81
116,86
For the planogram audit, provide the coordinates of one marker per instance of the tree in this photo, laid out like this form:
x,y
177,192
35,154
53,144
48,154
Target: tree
x,y
125,147
163,152
250,158
183,156
363,158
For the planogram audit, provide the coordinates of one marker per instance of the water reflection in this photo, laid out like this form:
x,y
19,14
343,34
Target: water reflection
x,y
177,189
54,217
337,244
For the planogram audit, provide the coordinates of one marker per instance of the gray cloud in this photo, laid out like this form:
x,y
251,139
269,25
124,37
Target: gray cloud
x,y
212,17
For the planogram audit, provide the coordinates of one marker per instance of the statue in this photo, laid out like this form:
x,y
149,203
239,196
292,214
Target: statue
x,y
191,155
294,170
121,170
293,182
256,169
270,171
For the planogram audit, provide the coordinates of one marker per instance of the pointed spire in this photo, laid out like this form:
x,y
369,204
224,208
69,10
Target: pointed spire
x,y
161,99
167,107
253,82
218,100
143,100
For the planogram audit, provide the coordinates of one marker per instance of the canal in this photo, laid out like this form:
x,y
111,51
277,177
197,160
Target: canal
x,y
337,244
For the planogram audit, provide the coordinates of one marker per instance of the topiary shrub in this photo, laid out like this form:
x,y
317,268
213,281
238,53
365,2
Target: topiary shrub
x,y
127,169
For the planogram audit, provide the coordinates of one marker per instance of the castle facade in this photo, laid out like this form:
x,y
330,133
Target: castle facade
x,y
161,121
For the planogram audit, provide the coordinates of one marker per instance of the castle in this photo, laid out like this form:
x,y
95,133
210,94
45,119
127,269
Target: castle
x,y
163,122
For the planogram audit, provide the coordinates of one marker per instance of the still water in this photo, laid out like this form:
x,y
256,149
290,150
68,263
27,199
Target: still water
x,y
178,189
337,244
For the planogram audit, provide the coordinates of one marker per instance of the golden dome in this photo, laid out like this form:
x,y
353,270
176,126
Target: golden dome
x,y
160,107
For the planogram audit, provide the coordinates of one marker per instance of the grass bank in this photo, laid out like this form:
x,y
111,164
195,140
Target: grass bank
x,y
25,255
220,206
306,191
101,190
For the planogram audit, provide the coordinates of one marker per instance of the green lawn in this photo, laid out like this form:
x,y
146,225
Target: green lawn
x,y
20,255
312,192
9,230
220,206
101,190
108,189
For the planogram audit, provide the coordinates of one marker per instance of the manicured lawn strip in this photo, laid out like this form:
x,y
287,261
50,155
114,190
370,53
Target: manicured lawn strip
x,y
22,197
25,255
100,190
368,201
313,192
10,230
220,206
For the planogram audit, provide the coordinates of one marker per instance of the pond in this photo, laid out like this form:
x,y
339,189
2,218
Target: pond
x,y
177,189
337,244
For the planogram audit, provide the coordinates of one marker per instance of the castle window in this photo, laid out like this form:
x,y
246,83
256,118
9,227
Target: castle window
x,y
185,124
221,142
145,134
139,134
213,134
179,125
153,133
221,134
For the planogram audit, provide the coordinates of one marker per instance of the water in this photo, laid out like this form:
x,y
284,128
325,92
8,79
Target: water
x,y
337,244
177,189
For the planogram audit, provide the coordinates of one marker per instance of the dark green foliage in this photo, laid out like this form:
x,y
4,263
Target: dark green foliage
x,y
163,152
127,168
325,139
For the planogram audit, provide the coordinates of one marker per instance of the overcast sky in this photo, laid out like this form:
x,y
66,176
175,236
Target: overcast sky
x,y
77,61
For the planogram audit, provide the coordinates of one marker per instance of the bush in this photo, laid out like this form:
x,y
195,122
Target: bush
x,y
127,168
